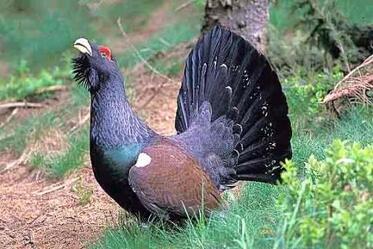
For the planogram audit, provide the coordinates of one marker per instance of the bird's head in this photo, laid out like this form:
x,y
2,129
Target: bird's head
x,y
94,64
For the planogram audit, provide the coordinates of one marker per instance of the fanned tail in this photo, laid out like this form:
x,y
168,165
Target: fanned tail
x,y
240,85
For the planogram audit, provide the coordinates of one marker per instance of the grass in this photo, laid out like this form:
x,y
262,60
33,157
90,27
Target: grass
x,y
168,66
356,125
73,158
83,192
227,229
62,24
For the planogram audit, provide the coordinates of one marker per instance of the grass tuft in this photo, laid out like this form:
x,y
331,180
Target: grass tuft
x,y
62,164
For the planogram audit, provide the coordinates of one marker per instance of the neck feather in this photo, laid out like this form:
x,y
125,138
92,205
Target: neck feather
x,y
113,122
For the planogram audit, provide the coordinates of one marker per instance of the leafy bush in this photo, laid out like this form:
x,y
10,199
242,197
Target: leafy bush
x,y
23,83
330,207
305,92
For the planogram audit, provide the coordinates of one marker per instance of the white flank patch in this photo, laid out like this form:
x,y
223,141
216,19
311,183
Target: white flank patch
x,y
143,160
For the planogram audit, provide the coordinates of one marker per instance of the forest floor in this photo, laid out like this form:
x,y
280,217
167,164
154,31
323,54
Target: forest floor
x,y
40,212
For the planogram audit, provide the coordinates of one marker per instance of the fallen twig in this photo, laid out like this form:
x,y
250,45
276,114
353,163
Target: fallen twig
x,y
55,187
9,118
20,105
184,5
138,54
25,155
54,88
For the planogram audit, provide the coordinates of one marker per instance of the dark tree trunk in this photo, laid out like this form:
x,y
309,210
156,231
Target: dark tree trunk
x,y
245,17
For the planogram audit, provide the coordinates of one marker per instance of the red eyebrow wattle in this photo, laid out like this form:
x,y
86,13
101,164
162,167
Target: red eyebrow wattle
x,y
106,51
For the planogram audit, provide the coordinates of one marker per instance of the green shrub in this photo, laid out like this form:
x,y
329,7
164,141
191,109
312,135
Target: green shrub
x,y
305,92
330,207
23,83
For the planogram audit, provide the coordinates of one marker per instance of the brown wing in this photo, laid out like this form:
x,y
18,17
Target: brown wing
x,y
171,182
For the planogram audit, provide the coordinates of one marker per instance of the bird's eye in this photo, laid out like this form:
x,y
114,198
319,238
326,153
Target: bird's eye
x,y
103,55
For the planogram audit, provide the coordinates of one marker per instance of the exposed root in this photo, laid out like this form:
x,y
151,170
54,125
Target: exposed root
x,y
54,88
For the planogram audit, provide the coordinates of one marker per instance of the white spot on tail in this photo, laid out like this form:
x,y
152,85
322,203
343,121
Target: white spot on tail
x,y
143,160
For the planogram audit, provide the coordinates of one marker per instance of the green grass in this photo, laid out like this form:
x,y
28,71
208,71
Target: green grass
x,y
73,158
168,66
244,221
58,24
355,125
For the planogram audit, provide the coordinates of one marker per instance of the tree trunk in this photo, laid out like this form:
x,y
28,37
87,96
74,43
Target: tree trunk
x,y
247,18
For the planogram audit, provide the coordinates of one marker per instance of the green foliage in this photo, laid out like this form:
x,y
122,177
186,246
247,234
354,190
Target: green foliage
x,y
23,83
199,3
315,137
283,18
306,90
41,31
330,207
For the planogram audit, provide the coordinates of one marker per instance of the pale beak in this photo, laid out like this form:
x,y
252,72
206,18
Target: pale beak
x,y
83,46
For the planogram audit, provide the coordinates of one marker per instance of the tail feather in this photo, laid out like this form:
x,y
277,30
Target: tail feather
x,y
239,83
